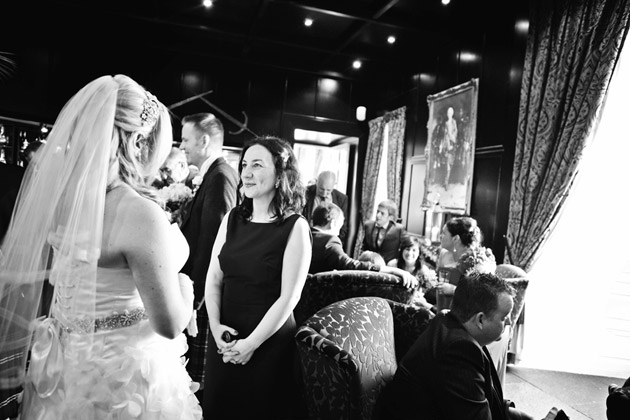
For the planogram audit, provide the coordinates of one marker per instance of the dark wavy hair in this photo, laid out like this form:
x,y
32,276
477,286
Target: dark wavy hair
x,y
325,213
467,229
407,241
289,197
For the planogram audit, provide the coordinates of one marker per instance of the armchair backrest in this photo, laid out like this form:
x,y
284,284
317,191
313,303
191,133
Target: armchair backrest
x,y
350,349
517,277
322,289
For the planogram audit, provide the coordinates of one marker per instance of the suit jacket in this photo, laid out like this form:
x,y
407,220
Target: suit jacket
x,y
391,242
338,198
328,255
11,176
214,198
445,375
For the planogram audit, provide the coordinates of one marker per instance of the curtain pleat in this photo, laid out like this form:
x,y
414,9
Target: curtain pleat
x,y
572,49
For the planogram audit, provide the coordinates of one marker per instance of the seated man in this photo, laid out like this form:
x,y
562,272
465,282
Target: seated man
x,y
383,235
323,191
447,373
328,254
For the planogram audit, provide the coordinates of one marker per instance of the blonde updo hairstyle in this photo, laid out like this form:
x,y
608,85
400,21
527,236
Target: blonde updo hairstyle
x,y
140,144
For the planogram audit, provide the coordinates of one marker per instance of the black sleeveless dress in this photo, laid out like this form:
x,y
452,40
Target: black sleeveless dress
x,y
264,388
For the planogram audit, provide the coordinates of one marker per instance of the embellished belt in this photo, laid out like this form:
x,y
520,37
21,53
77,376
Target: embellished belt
x,y
112,322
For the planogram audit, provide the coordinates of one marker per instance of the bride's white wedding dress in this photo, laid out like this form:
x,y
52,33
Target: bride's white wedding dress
x,y
124,370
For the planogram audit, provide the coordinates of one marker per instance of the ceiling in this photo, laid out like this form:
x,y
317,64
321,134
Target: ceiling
x,y
262,32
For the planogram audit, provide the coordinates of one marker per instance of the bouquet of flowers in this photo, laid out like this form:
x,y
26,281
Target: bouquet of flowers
x,y
175,196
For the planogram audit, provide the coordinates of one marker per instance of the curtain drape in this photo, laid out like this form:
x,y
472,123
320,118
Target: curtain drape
x,y
572,49
396,135
395,148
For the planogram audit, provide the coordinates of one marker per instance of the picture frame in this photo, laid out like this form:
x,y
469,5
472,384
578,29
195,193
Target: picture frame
x,y
450,150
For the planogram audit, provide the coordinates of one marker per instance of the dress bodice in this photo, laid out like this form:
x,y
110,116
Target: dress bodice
x,y
115,289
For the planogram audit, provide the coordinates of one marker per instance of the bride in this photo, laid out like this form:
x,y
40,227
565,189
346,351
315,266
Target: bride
x,y
112,345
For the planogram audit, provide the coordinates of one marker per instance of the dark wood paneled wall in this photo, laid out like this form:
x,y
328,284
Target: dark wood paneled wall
x,y
277,101
498,64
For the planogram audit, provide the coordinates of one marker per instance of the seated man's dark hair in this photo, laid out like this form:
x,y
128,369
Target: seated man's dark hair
x,y
325,213
478,293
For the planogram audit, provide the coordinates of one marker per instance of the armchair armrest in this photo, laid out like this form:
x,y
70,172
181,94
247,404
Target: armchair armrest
x,y
330,376
409,322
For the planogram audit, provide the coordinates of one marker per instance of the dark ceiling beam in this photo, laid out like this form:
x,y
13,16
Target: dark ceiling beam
x,y
368,20
253,29
355,32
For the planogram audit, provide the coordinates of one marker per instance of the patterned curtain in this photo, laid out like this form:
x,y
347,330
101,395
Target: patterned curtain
x,y
572,49
395,147
372,163
396,134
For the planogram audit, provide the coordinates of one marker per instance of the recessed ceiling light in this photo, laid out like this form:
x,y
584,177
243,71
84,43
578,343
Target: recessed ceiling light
x,y
391,39
308,22
356,64
207,3
445,2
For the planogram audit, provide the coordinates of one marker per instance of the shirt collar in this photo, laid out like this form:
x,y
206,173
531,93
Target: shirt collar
x,y
205,166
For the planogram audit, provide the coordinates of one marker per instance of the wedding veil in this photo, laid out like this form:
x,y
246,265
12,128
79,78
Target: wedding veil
x,y
60,204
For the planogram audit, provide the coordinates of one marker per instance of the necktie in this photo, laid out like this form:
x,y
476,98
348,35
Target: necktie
x,y
378,237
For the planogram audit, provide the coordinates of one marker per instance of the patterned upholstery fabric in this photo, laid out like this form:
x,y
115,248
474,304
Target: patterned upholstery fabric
x,y
409,322
348,352
517,277
322,289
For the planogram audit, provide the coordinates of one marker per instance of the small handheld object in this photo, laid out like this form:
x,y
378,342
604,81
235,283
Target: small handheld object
x,y
227,337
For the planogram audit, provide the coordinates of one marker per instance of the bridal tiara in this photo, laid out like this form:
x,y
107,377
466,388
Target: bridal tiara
x,y
150,110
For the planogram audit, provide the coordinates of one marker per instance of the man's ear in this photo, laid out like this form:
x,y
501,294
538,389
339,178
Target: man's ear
x,y
204,140
479,319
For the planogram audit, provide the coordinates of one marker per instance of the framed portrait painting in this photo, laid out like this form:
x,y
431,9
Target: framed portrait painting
x,y
450,149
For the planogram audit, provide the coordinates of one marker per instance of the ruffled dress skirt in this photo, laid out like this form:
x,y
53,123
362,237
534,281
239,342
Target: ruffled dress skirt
x,y
123,373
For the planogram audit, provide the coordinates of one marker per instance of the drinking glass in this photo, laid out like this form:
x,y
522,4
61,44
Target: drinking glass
x,y
441,300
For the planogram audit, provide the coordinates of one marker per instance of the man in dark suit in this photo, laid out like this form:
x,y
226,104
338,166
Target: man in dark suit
x,y
328,254
11,176
448,373
324,192
383,235
215,194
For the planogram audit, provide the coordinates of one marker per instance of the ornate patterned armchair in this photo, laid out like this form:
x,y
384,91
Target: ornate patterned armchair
x,y
350,349
518,279
322,289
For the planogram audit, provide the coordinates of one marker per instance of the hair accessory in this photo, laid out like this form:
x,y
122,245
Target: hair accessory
x,y
284,156
150,110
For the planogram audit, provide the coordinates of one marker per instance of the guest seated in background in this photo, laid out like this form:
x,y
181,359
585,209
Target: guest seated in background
x,y
383,235
447,373
328,253
174,169
373,257
461,253
410,259
324,191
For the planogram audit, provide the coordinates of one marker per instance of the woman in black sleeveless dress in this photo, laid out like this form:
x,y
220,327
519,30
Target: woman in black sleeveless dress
x,y
258,268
